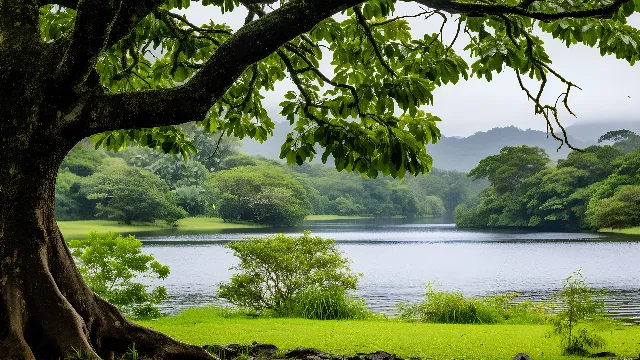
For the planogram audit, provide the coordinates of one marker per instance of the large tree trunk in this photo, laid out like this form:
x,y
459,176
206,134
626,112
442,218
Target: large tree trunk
x,y
46,310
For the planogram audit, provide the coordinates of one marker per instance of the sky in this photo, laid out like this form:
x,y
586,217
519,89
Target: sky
x,y
610,87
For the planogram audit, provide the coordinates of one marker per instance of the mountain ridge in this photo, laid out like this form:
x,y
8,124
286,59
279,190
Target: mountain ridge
x,y
464,153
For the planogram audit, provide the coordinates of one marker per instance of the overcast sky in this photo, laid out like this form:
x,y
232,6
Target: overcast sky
x,y
610,87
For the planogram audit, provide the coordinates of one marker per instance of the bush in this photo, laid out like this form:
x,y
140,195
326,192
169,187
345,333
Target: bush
x,y
325,304
110,264
453,308
276,270
450,308
580,306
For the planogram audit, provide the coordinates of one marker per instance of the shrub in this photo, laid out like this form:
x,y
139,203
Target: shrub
x,y
275,270
110,264
580,305
450,308
453,308
325,304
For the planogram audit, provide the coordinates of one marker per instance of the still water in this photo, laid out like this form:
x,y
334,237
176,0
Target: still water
x,y
399,257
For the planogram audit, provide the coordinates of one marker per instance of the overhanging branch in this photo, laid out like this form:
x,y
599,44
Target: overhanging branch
x,y
484,8
190,102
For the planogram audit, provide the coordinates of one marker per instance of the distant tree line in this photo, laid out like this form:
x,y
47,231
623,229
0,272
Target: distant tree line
x,y
598,187
140,185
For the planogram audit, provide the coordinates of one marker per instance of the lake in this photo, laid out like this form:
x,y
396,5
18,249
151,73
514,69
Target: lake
x,y
399,257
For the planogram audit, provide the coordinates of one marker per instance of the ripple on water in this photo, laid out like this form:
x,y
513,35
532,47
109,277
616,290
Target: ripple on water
x,y
399,259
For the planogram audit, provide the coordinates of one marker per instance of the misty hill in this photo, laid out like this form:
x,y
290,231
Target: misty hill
x,y
589,132
464,153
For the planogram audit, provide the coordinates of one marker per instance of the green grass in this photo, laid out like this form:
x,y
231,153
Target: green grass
x,y
333,217
629,231
79,229
428,341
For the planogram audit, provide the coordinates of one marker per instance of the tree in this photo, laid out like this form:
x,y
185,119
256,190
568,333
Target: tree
x,y
275,269
506,171
71,69
262,194
619,211
624,140
126,193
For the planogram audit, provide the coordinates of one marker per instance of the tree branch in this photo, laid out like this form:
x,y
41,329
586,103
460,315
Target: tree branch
x,y
191,101
99,25
367,30
454,7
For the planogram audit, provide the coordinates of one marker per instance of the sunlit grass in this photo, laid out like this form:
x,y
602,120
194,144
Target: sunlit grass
x,y
428,341
79,229
629,231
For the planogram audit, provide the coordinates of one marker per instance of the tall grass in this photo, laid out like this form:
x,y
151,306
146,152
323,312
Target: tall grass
x,y
325,304
453,308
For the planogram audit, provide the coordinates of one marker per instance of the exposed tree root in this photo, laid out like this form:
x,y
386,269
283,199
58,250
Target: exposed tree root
x,y
47,311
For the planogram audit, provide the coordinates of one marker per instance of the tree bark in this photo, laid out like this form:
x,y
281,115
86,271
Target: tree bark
x,y
46,310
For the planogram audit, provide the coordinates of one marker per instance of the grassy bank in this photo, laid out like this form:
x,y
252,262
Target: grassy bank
x,y
80,229
427,341
333,217
629,231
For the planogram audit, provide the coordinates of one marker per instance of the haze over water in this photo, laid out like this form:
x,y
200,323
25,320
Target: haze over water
x,y
399,257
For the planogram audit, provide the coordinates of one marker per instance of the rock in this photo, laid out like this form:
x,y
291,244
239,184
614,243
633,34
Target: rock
x,y
522,356
262,350
381,355
227,352
608,354
308,354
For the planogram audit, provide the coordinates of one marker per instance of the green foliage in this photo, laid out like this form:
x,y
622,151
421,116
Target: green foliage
x,y
624,140
449,308
192,199
579,305
453,308
367,113
590,189
70,202
128,194
319,303
275,270
261,194
111,264
619,211
82,160
507,170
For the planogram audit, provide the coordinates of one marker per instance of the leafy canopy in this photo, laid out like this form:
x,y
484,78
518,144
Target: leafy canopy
x,y
368,110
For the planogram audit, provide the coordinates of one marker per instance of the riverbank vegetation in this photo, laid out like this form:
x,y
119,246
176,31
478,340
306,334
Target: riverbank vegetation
x,y
138,185
591,189
212,325
78,229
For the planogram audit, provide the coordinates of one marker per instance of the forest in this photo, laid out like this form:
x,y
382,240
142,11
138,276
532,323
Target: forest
x,y
593,188
141,185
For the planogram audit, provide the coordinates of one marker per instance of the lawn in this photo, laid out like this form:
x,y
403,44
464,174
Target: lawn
x,y
428,341
629,231
79,229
